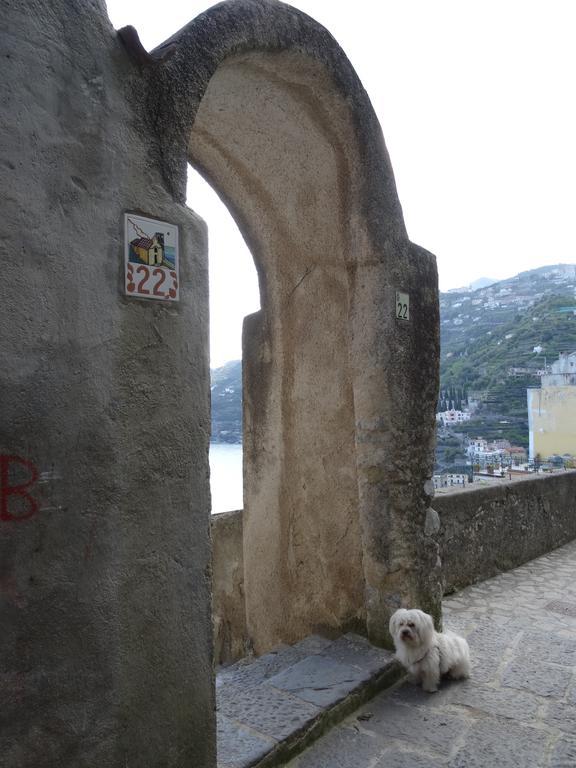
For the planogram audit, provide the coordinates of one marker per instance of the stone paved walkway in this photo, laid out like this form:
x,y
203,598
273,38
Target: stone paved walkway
x,y
519,708
268,708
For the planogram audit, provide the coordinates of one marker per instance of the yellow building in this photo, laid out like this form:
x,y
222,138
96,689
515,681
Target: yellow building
x,y
552,411
149,250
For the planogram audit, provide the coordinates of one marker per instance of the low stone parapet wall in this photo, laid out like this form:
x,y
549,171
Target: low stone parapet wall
x,y
228,603
485,531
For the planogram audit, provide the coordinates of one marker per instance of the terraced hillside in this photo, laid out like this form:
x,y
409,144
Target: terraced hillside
x,y
494,341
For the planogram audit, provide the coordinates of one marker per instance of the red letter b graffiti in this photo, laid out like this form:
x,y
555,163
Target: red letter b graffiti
x,y
29,504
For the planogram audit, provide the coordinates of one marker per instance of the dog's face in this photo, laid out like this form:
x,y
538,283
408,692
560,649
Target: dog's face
x,y
412,627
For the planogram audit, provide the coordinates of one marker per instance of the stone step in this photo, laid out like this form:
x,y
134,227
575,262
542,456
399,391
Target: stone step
x,y
272,707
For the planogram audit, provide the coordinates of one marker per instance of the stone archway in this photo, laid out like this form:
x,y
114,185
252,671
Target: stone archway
x,y
104,531
339,393
264,137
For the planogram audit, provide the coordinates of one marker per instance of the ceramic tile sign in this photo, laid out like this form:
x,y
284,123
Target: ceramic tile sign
x,y
151,258
402,306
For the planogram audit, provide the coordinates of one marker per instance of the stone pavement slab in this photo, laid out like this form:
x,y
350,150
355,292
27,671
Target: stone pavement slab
x,y
501,744
432,730
244,747
342,748
356,651
320,680
519,707
266,710
564,754
529,673
270,706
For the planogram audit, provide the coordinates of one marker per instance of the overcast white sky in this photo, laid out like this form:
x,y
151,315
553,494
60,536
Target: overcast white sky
x,y
476,101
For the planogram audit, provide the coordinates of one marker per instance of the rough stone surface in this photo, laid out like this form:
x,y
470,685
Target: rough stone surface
x,y
106,639
489,530
341,748
562,716
394,758
251,671
529,673
461,512
516,705
356,651
556,649
564,755
265,709
283,695
522,713
319,680
427,729
432,525
228,608
238,746
336,452
502,744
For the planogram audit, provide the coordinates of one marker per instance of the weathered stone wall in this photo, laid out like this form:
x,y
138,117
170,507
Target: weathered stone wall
x,y
302,531
106,641
482,532
339,394
228,598
489,530
105,625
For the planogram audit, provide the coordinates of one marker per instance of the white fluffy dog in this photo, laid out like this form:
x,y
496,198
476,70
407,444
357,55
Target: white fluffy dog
x,y
427,654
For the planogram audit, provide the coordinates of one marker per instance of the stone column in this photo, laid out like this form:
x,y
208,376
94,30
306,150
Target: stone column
x,y
395,392
105,638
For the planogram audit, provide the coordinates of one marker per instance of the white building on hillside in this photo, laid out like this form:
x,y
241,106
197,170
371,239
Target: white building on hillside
x,y
484,454
451,417
450,479
562,373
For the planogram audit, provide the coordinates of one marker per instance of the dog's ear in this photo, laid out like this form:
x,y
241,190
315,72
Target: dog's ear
x,y
396,619
425,623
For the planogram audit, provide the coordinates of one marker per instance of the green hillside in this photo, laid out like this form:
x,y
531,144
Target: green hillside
x,y
529,340
501,365
494,341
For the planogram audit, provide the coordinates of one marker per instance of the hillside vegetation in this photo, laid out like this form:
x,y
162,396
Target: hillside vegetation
x,y
494,341
497,340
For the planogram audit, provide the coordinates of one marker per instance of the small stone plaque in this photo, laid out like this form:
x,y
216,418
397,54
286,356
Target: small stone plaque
x,y
402,306
151,258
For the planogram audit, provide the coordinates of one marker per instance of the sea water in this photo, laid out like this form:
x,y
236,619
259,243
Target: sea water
x,y
226,477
